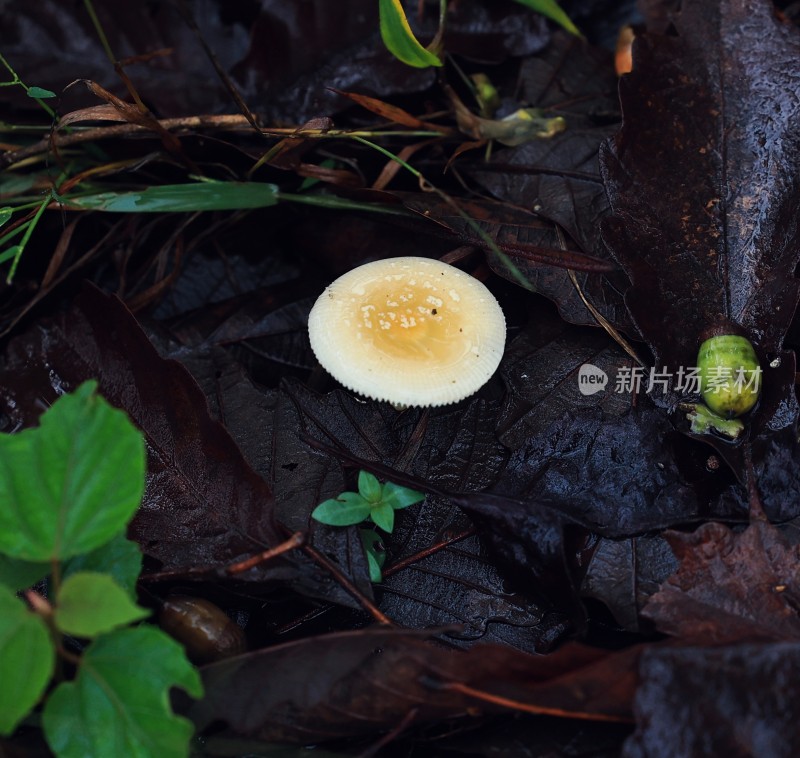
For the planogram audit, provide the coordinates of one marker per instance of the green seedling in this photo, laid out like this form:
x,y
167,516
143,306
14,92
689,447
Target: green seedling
x,y
374,502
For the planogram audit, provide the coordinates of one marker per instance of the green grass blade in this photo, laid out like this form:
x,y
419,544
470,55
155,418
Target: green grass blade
x,y
400,40
179,198
553,11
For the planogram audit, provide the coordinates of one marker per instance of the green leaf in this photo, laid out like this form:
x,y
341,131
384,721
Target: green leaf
x,y
383,515
400,40
89,604
5,215
349,508
39,93
369,487
18,184
179,198
17,574
71,484
375,573
400,497
553,11
27,660
119,703
120,558
375,552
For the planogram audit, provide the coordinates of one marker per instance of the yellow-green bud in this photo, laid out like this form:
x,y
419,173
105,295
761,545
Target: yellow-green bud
x,y
730,376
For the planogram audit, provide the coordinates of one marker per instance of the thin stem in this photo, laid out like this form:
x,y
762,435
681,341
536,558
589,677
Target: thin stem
x,y
347,585
20,83
295,541
55,576
100,32
518,705
412,559
24,241
389,155
39,604
475,227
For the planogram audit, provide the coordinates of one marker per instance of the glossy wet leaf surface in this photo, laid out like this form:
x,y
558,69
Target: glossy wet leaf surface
x,y
722,211
376,677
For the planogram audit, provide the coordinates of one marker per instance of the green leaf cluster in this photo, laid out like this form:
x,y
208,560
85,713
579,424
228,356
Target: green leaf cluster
x,y
375,502
68,489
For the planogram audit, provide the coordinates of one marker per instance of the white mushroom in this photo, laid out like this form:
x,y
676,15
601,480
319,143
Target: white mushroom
x,y
410,331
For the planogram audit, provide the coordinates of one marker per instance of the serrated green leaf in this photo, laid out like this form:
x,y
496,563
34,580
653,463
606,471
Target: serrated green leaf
x,y
179,198
369,487
383,515
121,558
553,11
40,93
400,40
19,575
119,703
71,484
5,215
400,497
27,659
349,508
89,604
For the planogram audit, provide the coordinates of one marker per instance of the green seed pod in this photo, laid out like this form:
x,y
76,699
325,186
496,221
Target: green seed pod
x,y
730,376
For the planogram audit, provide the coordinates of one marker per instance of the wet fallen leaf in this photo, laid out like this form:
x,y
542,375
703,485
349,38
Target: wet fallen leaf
x,y
361,682
712,244
730,587
204,505
559,179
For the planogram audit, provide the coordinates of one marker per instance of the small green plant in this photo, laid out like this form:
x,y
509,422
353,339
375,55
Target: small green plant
x,y
68,489
375,502
36,93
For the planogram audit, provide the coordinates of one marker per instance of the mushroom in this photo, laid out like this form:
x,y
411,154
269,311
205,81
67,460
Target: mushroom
x,y
411,331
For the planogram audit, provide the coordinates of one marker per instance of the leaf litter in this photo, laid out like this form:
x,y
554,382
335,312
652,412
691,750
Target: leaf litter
x,y
550,516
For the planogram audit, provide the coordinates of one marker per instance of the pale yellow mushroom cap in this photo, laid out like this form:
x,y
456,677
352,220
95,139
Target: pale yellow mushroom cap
x,y
410,331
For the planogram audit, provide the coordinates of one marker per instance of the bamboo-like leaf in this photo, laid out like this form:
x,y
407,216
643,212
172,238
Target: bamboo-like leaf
x,y
177,198
553,11
400,40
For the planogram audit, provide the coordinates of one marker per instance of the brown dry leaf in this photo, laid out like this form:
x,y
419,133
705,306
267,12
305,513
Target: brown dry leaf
x,y
730,587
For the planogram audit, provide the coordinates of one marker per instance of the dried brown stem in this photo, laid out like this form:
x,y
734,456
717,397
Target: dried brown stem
x,y
348,586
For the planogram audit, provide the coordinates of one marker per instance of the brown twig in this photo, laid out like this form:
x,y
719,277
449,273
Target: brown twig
x,y
393,569
411,559
57,141
347,585
231,569
518,705
296,540
754,498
